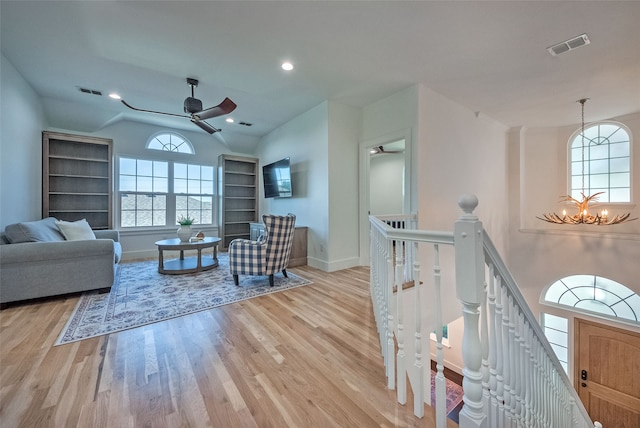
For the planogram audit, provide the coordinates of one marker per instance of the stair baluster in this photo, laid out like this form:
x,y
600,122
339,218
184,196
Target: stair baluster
x,y
512,377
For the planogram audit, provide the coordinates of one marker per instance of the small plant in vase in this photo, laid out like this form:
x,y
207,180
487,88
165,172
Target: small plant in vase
x,y
184,231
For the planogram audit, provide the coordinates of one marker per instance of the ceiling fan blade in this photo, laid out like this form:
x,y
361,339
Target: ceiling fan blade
x,y
218,136
204,125
225,107
152,111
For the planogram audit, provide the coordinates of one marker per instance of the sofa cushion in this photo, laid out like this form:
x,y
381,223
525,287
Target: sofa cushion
x,y
117,250
44,230
75,230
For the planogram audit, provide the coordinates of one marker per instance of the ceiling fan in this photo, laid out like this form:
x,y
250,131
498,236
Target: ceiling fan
x,y
381,151
193,106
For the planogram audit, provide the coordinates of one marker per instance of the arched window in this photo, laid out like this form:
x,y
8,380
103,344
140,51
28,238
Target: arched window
x,y
603,164
170,142
588,294
594,295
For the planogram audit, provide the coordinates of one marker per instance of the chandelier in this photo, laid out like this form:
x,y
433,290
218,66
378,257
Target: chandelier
x,y
582,215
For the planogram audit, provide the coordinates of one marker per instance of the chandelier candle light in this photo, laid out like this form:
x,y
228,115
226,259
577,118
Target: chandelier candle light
x,y
583,216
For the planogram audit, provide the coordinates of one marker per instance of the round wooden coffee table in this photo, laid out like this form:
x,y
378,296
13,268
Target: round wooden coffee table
x,y
189,264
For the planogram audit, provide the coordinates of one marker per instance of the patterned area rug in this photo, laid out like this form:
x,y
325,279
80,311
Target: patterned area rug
x,y
142,296
453,390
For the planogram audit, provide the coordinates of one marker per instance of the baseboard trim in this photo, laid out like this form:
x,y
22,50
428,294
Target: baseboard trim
x,y
333,266
130,256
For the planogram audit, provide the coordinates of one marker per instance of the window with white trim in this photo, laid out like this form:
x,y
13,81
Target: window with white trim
x,y
605,161
193,187
156,193
143,187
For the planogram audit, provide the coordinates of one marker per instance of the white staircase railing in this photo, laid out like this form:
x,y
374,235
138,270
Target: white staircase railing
x,y
511,376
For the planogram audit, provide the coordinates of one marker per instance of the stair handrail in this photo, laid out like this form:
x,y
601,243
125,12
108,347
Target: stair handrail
x,y
394,264
525,348
493,257
500,362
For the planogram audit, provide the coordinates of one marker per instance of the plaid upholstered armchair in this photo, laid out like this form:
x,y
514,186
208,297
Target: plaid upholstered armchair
x,y
269,254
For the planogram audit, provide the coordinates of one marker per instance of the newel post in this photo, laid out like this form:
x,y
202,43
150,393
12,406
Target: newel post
x,y
470,290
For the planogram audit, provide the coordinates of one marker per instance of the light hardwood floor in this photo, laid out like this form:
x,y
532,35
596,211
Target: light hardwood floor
x,y
307,357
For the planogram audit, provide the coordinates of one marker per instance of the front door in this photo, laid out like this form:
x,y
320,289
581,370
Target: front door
x,y
608,373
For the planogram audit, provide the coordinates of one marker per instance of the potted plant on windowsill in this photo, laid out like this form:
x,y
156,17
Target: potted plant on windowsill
x,y
184,231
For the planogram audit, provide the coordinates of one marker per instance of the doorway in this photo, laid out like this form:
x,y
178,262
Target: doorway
x,y
607,373
386,178
385,181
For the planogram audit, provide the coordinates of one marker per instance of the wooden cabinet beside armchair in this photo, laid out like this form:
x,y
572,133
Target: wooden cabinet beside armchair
x,y
298,249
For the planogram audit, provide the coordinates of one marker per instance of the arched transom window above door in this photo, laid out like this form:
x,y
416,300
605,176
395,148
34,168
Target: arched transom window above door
x,y
594,295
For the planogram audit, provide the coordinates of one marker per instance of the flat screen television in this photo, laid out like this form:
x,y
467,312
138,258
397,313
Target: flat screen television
x,y
277,179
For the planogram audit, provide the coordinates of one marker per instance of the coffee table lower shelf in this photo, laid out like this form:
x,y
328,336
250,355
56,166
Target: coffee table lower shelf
x,y
187,264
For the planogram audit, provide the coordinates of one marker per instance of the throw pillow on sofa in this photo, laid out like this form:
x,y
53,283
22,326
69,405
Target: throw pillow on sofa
x,y
75,230
44,230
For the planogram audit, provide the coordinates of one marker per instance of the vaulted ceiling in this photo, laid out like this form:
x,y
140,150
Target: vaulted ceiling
x,y
488,56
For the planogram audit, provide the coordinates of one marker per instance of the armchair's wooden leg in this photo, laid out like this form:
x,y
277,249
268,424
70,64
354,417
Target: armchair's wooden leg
x,y
235,280
271,280
284,272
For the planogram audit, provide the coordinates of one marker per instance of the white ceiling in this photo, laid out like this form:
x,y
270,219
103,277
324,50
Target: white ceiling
x,y
488,56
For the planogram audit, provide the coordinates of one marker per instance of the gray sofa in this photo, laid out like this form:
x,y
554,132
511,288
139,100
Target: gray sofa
x,y
37,261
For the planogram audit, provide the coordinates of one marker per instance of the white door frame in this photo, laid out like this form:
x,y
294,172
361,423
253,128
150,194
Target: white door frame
x,y
364,186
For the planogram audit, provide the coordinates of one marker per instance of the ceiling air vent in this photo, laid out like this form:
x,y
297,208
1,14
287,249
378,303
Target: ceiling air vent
x,y
569,45
90,91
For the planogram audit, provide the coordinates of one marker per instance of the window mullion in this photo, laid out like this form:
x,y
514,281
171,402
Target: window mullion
x,y
171,198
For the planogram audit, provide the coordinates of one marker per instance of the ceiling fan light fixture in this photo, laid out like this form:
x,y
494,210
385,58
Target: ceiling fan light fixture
x,y
192,105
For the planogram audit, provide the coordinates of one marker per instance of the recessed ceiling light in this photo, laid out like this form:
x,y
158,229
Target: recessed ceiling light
x,y
229,120
287,66
114,96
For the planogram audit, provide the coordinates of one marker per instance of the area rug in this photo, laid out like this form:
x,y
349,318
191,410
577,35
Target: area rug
x,y
141,295
453,392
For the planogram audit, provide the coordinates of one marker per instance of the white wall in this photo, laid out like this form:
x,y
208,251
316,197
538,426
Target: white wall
x,y
459,152
393,117
390,119
323,146
385,179
343,240
305,140
21,123
540,252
